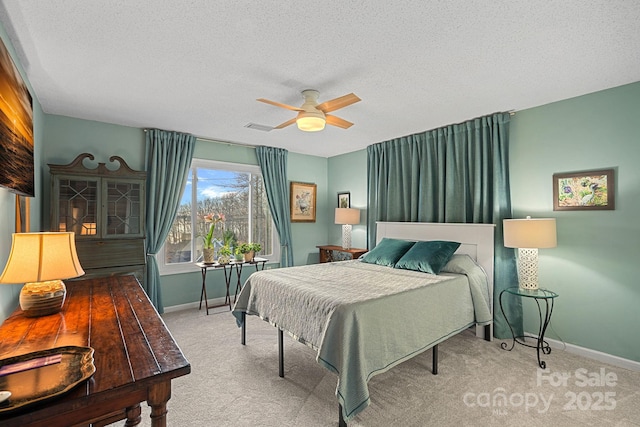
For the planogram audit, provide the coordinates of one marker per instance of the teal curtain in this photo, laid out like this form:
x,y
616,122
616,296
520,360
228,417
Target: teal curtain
x,y
457,173
273,164
168,159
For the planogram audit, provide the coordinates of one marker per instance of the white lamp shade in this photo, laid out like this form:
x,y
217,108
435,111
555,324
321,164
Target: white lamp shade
x,y
38,257
347,216
530,233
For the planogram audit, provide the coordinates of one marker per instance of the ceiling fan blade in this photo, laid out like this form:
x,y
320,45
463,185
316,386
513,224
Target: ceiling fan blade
x,y
278,104
285,124
337,121
337,103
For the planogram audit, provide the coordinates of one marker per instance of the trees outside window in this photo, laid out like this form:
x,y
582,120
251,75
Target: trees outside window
x,y
233,190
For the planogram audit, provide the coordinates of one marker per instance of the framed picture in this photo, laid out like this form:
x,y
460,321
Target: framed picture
x,y
303,202
16,129
344,200
584,191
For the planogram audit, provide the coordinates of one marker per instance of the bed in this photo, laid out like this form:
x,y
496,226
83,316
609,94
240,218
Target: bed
x,y
363,318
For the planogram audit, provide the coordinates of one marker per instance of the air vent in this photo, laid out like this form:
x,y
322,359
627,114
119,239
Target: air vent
x,y
256,126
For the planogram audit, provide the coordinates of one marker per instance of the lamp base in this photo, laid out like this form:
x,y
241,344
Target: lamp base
x,y
42,298
346,236
528,268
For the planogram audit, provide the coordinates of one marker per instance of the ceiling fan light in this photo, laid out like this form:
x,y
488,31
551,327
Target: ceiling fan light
x,y
310,122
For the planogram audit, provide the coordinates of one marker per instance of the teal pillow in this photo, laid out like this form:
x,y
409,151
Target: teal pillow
x,y
387,252
428,257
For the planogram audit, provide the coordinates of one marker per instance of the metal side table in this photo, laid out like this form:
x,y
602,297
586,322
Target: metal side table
x,y
540,296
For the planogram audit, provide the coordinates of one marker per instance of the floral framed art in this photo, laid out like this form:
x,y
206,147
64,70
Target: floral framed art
x,y
303,202
584,191
344,199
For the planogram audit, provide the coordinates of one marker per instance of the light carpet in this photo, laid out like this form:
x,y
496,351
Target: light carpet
x,y
478,384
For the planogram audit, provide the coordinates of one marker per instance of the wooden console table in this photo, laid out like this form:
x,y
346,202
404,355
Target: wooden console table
x,y
135,355
326,252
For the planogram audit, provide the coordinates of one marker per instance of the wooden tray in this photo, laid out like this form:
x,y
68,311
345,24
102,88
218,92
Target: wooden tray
x,y
38,384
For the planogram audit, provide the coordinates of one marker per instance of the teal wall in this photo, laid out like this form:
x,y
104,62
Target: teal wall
x,y
306,236
594,267
67,137
348,172
9,293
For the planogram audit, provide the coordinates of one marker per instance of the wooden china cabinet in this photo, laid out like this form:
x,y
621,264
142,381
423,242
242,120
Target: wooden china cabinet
x,y
106,209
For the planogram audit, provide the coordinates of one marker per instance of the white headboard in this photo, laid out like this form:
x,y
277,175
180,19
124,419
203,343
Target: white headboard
x,y
476,240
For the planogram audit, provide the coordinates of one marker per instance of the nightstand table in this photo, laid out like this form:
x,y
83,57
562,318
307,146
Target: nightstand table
x,y
326,252
540,296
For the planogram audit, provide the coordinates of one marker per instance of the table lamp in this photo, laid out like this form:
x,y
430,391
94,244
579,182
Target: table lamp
x,y
41,260
347,217
529,235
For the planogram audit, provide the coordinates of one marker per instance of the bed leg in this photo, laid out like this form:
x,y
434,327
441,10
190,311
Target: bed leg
x,y
434,367
280,354
243,336
341,421
487,332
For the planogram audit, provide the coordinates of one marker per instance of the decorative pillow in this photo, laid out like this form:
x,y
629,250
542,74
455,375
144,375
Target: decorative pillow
x,y
460,264
428,257
387,252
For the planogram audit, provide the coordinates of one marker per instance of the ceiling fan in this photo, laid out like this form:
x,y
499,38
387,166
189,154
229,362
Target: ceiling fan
x,y
313,116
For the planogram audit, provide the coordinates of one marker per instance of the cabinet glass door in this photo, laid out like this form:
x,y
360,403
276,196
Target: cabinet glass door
x,y
124,208
78,206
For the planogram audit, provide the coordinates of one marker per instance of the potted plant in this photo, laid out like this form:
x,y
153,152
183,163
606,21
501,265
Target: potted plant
x,y
239,254
256,247
224,255
249,250
229,238
207,239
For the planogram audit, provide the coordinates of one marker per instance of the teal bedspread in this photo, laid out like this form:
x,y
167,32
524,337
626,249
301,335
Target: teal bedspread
x,y
363,319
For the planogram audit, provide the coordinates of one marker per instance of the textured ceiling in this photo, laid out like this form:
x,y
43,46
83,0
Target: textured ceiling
x,y
198,66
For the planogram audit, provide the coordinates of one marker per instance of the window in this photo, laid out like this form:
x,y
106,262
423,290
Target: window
x,y
234,190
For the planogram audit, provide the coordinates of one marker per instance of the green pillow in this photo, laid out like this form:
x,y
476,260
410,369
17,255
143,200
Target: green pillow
x,y
387,252
428,257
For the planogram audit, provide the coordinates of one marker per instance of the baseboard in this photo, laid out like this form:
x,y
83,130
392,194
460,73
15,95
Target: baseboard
x,y
620,362
194,305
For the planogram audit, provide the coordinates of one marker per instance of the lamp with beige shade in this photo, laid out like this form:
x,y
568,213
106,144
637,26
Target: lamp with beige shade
x,y
40,261
347,217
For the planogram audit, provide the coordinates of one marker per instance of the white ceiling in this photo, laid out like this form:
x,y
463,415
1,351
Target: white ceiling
x,y
198,66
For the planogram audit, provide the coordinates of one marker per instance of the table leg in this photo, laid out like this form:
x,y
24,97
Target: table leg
x,y
503,345
133,416
544,323
203,292
157,398
239,283
227,281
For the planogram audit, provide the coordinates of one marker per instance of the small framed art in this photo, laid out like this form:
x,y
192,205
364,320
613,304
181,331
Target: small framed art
x,y
303,202
584,191
344,199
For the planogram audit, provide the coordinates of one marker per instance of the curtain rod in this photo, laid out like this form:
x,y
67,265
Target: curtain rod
x,y
220,141
226,142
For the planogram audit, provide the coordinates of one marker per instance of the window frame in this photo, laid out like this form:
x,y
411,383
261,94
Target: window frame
x,y
190,267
